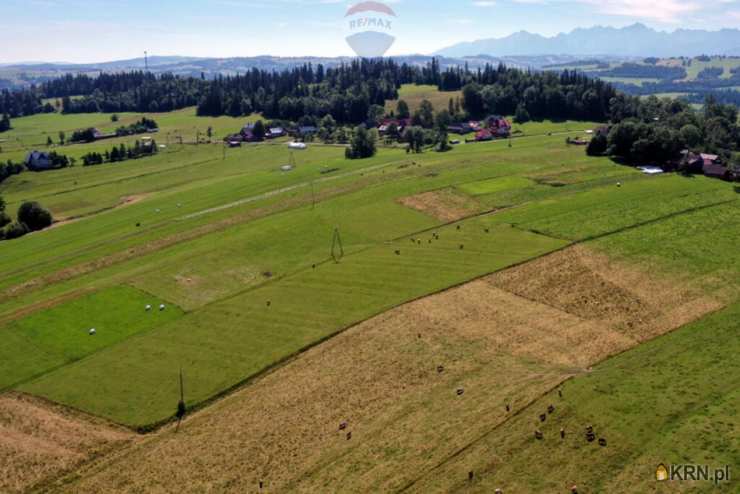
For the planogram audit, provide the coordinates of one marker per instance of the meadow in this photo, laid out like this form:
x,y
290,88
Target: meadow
x,y
259,268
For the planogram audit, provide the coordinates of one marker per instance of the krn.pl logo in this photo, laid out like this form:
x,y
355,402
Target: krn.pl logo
x,y
369,26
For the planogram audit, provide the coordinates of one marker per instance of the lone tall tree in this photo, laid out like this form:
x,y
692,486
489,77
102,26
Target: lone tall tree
x,y
5,123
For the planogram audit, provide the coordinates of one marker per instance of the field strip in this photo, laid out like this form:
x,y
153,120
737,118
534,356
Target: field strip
x,y
272,193
155,245
126,179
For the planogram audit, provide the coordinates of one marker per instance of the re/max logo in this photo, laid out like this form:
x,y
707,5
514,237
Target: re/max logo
x,y
370,22
699,473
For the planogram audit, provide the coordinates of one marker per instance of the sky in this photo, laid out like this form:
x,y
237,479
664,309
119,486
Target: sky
x,y
83,31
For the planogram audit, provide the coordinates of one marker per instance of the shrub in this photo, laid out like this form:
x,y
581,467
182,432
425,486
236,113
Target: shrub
x,y
14,230
35,217
598,145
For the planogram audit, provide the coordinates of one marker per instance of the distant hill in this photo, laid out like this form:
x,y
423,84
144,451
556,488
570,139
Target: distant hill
x,y
636,40
23,75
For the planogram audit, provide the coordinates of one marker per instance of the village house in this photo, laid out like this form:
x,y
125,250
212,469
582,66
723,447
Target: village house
x,y
460,128
275,132
38,160
400,124
710,165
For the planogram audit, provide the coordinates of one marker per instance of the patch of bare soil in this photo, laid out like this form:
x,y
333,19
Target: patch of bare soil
x,y
587,284
445,205
39,441
376,406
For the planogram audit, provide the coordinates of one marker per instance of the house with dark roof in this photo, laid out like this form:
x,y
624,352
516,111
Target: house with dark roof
x,y
716,170
275,132
38,160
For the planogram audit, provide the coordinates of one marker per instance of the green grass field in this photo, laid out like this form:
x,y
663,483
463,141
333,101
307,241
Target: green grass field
x,y
415,94
242,254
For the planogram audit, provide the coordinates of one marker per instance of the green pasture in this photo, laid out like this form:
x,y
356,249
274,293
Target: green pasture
x,y
414,94
221,236
51,338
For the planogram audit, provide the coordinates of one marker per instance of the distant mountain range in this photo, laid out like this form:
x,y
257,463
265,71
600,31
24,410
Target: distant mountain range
x,y
24,74
636,40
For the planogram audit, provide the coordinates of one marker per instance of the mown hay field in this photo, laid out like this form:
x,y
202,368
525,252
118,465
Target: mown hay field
x,y
243,255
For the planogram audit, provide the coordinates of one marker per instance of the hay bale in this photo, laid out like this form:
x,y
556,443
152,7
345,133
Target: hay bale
x,y
460,391
440,369
602,442
92,332
161,307
148,307
538,435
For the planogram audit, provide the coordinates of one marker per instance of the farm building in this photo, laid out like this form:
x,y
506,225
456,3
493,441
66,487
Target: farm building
x,y
386,124
460,128
38,160
484,135
275,132
716,170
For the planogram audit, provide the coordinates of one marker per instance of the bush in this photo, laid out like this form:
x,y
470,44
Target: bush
x,y
362,145
15,230
4,219
35,217
598,145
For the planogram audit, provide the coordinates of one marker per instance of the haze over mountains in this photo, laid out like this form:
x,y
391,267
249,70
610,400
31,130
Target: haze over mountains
x,y
636,40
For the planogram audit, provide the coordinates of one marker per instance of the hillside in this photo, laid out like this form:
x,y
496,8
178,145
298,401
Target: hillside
x,y
391,323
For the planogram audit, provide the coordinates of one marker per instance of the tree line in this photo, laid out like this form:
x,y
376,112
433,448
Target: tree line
x,y
120,153
656,131
346,92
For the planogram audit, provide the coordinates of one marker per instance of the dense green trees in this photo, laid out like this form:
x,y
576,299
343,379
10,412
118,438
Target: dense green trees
x,y
656,131
31,217
598,144
139,127
121,153
402,109
363,144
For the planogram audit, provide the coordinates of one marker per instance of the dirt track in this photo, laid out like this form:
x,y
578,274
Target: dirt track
x,y
507,338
